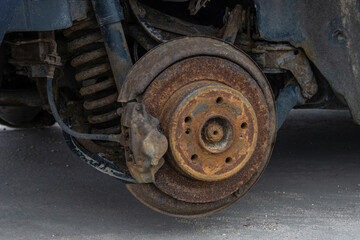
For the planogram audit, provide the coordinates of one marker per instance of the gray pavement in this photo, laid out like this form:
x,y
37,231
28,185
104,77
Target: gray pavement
x,y
310,190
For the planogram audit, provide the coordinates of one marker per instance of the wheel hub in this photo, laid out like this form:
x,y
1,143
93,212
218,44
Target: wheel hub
x,y
217,111
190,88
213,133
205,123
217,134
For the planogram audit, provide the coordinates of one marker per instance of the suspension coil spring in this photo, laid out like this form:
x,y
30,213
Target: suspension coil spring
x,y
93,73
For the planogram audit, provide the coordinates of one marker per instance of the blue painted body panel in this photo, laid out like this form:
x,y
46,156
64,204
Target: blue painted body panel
x,y
7,8
41,15
328,31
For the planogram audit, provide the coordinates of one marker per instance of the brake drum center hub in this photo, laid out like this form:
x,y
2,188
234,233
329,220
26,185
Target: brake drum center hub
x,y
212,130
216,135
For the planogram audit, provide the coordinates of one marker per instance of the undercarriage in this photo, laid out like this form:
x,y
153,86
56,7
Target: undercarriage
x,y
180,99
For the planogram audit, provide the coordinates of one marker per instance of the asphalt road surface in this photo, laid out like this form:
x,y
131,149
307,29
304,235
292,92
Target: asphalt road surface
x,y
310,190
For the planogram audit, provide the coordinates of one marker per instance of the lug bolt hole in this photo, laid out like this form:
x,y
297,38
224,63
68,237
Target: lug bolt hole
x,y
244,125
188,131
194,157
187,119
228,160
219,100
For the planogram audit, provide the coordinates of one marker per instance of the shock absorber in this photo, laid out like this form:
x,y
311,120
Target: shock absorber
x,y
94,75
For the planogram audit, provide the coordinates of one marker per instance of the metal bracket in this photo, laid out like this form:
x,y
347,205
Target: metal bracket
x,y
38,55
240,20
285,57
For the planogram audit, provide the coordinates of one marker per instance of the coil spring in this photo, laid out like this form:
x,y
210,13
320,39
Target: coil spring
x,y
93,73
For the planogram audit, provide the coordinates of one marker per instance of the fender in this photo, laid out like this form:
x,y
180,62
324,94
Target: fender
x,y
43,15
39,15
328,31
7,9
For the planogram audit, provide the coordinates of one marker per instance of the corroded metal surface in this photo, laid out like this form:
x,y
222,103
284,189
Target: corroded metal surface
x,y
91,105
88,57
83,41
275,57
32,57
144,144
146,69
152,197
181,63
97,87
236,22
140,14
141,37
94,75
197,69
162,21
161,26
212,129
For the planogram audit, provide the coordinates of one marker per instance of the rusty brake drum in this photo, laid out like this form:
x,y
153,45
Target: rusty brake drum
x,y
217,110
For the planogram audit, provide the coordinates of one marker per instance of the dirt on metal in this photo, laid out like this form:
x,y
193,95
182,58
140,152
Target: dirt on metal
x,y
212,130
189,67
152,197
191,189
144,144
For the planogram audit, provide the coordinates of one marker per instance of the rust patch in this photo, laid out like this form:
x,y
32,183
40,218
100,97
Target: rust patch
x,y
144,145
208,143
193,70
94,76
157,76
98,103
152,197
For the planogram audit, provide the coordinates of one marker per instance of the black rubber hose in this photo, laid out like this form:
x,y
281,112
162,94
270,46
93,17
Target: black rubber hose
x,y
65,128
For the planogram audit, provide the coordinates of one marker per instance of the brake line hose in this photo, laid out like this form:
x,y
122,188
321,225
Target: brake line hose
x,y
67,129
